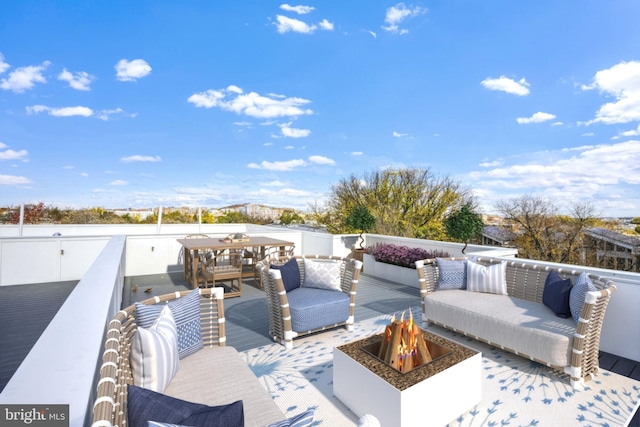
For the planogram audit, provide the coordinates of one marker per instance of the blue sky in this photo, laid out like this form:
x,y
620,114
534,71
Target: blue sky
x,y
140,104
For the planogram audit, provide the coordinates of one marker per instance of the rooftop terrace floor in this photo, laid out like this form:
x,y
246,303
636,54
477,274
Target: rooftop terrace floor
x,y
26,310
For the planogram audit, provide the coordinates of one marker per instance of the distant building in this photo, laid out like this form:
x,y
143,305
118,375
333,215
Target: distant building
x,y
610,249
251,209
495,235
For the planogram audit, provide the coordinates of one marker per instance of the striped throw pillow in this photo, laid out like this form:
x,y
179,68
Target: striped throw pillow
x,y
578,294
154,353
491,279
186,312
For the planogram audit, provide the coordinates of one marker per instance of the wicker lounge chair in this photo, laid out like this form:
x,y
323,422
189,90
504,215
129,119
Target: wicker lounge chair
x,y
213,375
305,310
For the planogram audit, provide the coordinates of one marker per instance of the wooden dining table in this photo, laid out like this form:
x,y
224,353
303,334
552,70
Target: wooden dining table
x,y
192,247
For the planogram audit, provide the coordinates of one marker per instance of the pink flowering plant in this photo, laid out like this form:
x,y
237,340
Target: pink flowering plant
x,y
403,256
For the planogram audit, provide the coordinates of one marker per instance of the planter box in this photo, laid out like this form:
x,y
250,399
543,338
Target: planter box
x,y
393,273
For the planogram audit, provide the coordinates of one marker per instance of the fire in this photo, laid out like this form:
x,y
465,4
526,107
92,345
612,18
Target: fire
x,y
403,346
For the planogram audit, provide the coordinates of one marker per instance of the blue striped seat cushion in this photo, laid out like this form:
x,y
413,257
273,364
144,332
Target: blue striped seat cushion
x,y
313,308
186,313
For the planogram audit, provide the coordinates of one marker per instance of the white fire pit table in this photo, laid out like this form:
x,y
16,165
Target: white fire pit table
x,y
432,394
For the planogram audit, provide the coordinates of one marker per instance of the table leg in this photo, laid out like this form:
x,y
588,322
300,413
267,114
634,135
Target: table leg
x,y
194,269
186,261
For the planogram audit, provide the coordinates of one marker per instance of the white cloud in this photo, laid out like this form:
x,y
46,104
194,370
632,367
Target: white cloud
x,y
79,81
106,114
14,180
635,132
557,124
290,132
13,155
357,153
275,184
538,117
138,158
3,65
278,166
326,25
286,24
84,174
492,164
578,173
24,78
588,134
250,104
119,182
400,135
508,85
71,111
127,71
621,81
321,160
398,13
374,35
61,112
300,10
244,124
292,192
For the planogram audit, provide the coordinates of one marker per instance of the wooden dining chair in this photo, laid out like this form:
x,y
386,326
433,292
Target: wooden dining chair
x,y
222,268
186,255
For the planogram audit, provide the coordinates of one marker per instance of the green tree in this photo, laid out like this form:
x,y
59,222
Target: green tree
x,y
231,217
290,217
208,217
544,234
464,224
407,202
361,219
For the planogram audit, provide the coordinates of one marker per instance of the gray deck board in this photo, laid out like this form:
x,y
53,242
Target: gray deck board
x,y
25,312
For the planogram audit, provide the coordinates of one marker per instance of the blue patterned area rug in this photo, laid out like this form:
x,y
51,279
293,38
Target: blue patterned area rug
x,y
515,391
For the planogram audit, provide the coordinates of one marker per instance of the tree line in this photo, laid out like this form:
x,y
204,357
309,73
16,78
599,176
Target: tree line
x,y
406,202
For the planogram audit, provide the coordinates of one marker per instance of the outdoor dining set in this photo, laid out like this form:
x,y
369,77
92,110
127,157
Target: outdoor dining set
x,y
226,261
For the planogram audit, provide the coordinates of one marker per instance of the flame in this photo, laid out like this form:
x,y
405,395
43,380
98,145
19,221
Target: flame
x,y
407,348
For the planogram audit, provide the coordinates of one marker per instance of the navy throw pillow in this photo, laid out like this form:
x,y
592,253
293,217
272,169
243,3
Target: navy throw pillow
x,y
146,405
290,274
556,294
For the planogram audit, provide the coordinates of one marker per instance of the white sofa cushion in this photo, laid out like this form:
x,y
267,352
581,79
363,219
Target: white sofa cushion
x,y
219,376
515,324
